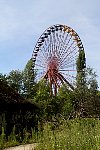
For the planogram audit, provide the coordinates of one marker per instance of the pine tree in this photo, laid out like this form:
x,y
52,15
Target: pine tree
x,y
29,79
81,65
80,83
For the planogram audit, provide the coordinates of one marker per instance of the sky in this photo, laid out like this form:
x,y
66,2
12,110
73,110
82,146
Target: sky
x,y
23,21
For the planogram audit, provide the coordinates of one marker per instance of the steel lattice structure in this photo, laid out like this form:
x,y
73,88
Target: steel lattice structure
x,y
55,54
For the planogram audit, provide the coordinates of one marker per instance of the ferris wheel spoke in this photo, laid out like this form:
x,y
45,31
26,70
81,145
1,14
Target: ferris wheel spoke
x,y
48,47
71,65
46,54
40,65
67,50
47,51
73,56
64,55
43,56
66,70
64,65
66,74
58,43
68,66
65,58
40,62
63,41
44,73
66,81
68,42
61,48
66,38
71,52
69,78
60,78
69,47
69,59
39,75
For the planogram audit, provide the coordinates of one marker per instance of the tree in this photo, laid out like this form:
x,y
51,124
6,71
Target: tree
x,y
14,79
81,65
86,98
29,80
66,98
91,80
43,99
3,77
80,84
92,100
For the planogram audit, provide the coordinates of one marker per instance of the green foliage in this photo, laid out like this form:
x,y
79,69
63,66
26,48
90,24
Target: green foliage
x,y
3,77
81,61
12,139
43,97
83,134
14,80
92,83
86,99
81,65
43,93
28,80
7,93
22,81
86,88
66,99
3,136
62,104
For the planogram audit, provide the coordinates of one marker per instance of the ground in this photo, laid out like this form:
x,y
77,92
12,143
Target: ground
x,y
23,147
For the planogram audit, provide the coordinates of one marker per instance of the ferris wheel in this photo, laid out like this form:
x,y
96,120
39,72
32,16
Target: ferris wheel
x,y
55,55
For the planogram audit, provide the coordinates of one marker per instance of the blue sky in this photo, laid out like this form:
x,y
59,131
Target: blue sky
x,y
23,21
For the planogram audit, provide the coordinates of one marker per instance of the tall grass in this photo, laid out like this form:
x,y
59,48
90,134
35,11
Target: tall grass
x,y
76,134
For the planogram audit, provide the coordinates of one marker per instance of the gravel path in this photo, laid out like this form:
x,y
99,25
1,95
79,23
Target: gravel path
x,y
23,147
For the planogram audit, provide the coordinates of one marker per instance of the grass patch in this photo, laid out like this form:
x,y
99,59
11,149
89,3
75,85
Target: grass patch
x,y
76,134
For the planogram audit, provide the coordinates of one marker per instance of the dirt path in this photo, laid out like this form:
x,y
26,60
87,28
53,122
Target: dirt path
x,y
23,147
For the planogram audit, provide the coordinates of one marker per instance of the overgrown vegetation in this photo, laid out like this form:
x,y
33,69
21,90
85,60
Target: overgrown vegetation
x,y
29,114
75,134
